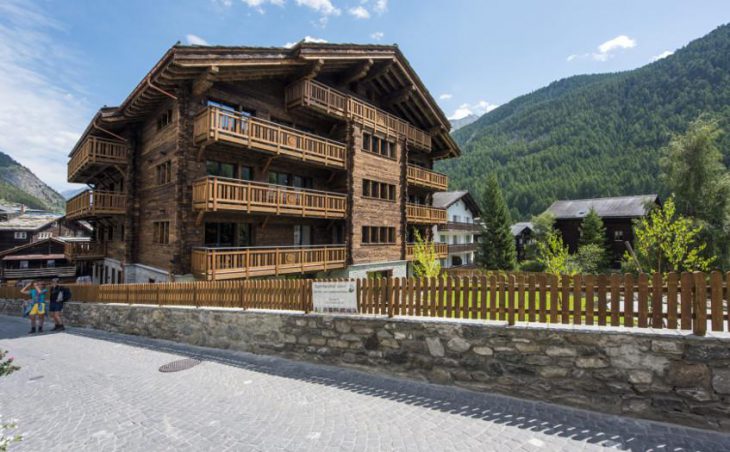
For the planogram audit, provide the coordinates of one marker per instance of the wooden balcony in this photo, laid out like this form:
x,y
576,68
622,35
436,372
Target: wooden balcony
x,y
462,247
214,264
460,226
43,272
92,204
95,154
426,178
441,250
76,251
331,102
418,214
214,124
211,194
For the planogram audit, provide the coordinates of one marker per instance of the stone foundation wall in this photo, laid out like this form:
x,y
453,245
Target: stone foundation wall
x,y
663,376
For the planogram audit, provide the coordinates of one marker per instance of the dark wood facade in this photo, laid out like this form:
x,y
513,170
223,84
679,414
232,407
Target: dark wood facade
x,y
26,228
43,259
245,162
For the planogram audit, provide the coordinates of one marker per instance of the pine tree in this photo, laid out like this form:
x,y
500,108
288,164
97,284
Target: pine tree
x,y
496,249
592,230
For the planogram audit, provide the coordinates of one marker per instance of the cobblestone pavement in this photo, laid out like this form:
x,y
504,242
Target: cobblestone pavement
x,y
90,390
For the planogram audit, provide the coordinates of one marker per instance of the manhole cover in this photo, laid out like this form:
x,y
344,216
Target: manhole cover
x,y
181,364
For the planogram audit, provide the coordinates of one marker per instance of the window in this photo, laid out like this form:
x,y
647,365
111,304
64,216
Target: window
x,y
443,239
20,235
23,264
618,235
456,261
164,173
161,232
44,235
164,119
302,234
227,234
378,190
378,235
109,233
51,263
376,145
289,180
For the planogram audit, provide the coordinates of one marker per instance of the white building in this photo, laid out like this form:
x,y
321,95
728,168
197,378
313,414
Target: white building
x,y
461,230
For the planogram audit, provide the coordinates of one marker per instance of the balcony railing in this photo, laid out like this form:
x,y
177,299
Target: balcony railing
x,y
93,153
231,263
84,250
320,97
416,213
96,203
459,226
462,247
44,272
441,250
216,124
427,178
212,194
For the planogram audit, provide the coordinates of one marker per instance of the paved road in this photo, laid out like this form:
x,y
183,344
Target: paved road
x,y
90,390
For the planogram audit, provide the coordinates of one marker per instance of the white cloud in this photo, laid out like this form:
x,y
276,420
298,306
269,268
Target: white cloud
x,y
258,5
664,54
195,40
445,96
306,39
325,7
607,49
359,12
377,36
42,103
380,6
478,109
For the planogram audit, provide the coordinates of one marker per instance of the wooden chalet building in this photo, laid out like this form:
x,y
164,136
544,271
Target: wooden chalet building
x,y
236,162
41,259
618,215
522,232
22,228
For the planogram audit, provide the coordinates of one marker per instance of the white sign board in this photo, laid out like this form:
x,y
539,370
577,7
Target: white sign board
x,y
337,297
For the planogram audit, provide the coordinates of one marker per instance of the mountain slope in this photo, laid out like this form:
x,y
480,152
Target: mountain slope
x,y
594,135
457,124
19,185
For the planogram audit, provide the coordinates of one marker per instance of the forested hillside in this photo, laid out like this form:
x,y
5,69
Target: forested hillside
x,y
594,135
19,185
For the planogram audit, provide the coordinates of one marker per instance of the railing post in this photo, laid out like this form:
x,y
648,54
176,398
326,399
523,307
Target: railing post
x,y
699,326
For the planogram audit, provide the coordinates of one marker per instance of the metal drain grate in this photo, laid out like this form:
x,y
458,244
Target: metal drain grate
x,y
181,364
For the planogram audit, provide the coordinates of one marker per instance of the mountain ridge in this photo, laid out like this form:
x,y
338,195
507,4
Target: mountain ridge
x,y
18,184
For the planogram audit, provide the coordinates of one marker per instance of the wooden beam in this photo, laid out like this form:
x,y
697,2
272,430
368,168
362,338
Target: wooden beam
x,y
356,72
377,71
265,168
199,219
205,81
398,96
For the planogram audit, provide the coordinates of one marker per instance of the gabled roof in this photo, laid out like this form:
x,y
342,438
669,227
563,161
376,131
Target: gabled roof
x,y
383,68
28,222
444,199
49,241
616,207
517,228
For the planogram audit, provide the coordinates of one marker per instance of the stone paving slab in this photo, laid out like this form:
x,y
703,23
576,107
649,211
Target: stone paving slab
x,y
91,390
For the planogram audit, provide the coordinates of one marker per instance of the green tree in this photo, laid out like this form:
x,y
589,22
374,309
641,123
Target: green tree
x,y
667,241
497,250
553,254
590,259
693,170
426,263
592,256
592,230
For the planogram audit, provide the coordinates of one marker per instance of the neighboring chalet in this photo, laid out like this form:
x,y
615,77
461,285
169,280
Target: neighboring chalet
x,y
522,232
237,162
617,214
24,228
456,239
42,259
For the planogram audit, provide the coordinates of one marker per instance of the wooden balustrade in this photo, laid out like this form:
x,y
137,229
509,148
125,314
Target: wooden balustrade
x,y
459,226
462,247
229,263
212,194
427,178
214,124
96,203
84,250
416,213
441,250
93,153
320,97
66,271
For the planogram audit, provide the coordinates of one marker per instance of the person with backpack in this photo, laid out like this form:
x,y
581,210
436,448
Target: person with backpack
x,y
36,309
59,296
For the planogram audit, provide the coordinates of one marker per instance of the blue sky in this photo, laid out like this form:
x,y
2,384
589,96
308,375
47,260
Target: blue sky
x,y
60,60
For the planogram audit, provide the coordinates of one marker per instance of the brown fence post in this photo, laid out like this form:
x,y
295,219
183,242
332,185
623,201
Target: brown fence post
x,y
699,326
511,300
716,300
394,284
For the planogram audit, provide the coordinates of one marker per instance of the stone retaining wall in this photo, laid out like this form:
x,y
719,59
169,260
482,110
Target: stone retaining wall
x,y
663,376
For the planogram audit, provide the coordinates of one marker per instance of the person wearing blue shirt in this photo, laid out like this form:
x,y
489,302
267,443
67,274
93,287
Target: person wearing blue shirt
x,y
37,307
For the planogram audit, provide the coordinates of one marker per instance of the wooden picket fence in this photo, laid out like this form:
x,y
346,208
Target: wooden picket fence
x,y
687,301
